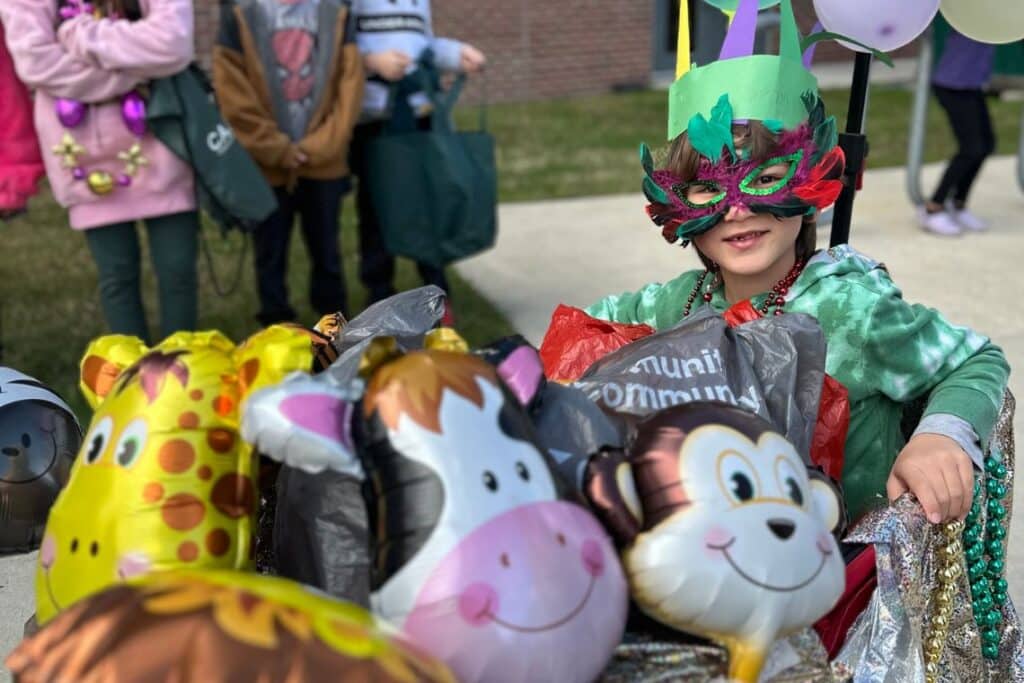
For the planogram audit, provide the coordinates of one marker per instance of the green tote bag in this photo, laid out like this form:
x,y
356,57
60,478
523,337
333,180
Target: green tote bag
x,y
435,192
183,115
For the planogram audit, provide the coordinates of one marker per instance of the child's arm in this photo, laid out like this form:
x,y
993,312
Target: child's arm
x,y
160,44
43,64
252,123
447,53
330,140
914,351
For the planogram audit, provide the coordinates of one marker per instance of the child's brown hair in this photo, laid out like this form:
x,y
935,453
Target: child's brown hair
x,y
683,161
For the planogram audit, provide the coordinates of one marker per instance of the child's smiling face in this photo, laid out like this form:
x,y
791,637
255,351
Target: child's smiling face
x,y
748,244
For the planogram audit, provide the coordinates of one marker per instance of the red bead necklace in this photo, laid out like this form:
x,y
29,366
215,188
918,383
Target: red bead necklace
x,y
776,297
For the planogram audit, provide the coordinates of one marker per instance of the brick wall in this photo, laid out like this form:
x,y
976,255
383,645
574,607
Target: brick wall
x,y
207,15
549,48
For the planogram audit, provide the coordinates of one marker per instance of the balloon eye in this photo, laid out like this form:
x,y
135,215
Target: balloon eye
x,y
789,480
490,481
26,440
95,448
130,445
127,453
98,439
793,489
737,477
523,473
742,487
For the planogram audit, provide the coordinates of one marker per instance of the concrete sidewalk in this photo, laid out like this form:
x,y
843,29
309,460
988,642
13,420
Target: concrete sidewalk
x,y
576,251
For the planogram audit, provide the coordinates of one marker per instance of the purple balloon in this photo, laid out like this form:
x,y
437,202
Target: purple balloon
x,y
124,180
882,24
133,112
78,173
70,112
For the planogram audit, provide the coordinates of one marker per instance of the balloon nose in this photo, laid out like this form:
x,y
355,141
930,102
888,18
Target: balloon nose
x,y
478,603
782,528
48,551
593,558
10,451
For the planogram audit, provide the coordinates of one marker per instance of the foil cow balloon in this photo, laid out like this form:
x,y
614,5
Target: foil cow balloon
x,y
478,557
725,535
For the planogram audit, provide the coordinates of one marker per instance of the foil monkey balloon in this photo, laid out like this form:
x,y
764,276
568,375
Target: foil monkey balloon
x,y
724,533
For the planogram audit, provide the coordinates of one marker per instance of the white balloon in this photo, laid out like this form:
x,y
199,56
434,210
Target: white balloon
x,y
987,21
882,24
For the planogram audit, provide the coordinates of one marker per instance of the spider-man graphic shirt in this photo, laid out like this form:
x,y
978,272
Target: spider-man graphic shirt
x,y
293,27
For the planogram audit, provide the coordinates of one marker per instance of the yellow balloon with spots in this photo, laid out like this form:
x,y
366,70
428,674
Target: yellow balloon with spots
x,y
163,479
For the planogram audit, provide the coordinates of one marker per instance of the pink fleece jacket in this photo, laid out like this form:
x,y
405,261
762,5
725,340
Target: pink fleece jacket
x,y
20,164
96,61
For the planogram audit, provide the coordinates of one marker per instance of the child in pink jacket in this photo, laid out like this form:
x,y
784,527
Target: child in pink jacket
x,y
20,164
89,65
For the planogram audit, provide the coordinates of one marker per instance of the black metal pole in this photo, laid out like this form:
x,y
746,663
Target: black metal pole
x,y
854,144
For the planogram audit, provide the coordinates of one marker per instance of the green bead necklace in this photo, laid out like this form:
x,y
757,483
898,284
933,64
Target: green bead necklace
x,y
985,556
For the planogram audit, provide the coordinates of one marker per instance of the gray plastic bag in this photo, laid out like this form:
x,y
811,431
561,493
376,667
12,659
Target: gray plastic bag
x,y
773,367
320,527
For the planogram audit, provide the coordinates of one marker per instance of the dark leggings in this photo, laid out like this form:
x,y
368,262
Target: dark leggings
x,y
972,126
173,243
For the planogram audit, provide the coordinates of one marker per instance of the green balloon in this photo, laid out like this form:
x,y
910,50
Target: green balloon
x,y
730,5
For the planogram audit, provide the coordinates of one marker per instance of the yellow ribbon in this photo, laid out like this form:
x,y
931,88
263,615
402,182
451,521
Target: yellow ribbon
x,y
683,42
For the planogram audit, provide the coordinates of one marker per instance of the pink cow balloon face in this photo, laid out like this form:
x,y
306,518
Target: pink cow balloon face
x,y
478,557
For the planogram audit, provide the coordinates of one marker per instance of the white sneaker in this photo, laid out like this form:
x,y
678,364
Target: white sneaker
x,y
939,223
968,221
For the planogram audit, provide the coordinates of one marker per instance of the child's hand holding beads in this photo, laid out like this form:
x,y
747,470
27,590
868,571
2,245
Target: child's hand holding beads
x,y
938,472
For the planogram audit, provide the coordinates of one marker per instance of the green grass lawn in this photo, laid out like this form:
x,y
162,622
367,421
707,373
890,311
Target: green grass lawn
x,y
49,308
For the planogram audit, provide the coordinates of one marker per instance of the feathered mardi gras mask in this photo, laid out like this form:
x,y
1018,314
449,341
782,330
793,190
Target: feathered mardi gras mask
x,y
801,174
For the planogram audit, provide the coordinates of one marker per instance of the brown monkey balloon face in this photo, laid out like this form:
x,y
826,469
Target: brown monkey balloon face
x,y
733,539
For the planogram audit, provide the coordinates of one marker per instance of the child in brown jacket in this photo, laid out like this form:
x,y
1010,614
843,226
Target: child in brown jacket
x,y
289,80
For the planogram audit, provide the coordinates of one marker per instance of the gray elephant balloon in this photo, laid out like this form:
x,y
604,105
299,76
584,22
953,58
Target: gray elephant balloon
x,y
39,437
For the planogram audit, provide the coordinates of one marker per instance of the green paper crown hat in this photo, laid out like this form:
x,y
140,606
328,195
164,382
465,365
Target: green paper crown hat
x,y
762,87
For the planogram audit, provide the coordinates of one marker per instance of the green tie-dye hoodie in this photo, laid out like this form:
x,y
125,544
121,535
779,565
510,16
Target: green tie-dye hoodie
x,y
887,352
